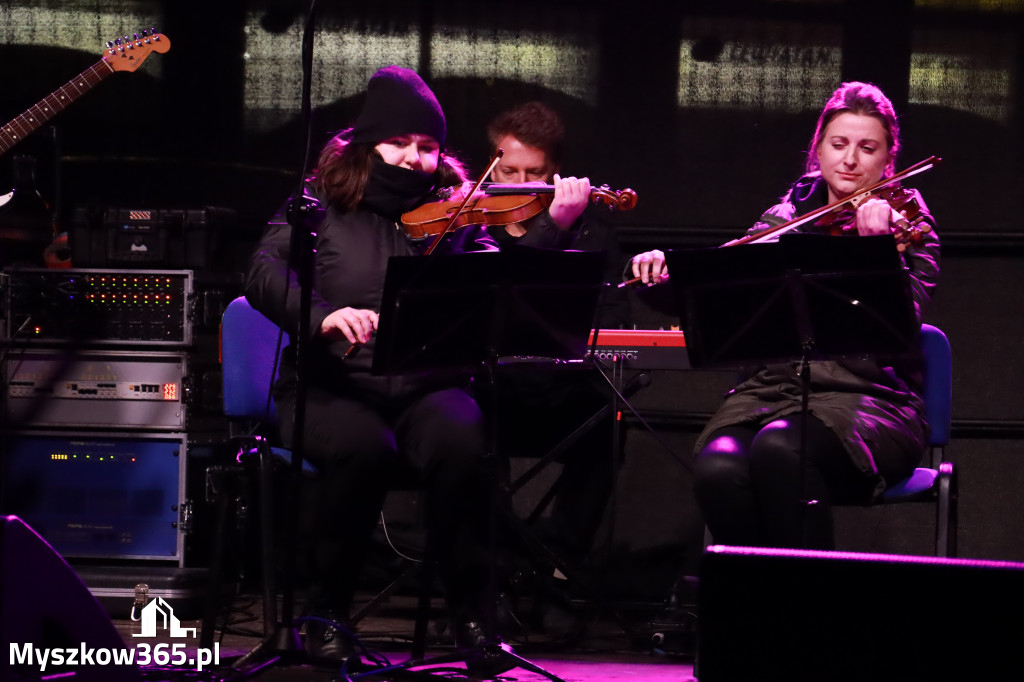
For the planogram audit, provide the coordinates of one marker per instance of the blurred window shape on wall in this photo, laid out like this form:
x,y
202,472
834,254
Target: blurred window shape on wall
x,y
555,49
749,64
344,58
966,70
78,25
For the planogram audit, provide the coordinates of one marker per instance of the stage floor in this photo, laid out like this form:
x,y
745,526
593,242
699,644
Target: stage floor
x,y
607,647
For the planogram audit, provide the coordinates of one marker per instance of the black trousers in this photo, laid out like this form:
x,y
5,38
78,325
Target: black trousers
x,y
360,448
747,482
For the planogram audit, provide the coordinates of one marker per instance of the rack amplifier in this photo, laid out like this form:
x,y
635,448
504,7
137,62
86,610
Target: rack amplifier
x,y
98,307
110,495
120,389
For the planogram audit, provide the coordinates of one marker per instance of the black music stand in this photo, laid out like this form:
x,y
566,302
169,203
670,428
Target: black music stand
x,y
465,312
805,297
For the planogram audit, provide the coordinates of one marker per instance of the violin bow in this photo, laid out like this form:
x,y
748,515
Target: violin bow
x,y
854,201
465,202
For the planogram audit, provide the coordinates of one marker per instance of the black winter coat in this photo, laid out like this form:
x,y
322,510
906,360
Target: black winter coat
x,y
352,251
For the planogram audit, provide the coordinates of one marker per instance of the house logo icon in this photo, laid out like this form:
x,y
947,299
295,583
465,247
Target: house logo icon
x,y
157,607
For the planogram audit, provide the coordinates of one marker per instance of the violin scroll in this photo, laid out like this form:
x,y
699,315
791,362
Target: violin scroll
x,y
622,199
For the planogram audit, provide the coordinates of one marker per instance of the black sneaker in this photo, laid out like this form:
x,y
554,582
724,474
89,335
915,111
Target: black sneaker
x,y
485,658
468,632
329,642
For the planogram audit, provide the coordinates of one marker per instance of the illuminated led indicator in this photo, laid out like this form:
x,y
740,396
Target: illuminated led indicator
x,y
170,391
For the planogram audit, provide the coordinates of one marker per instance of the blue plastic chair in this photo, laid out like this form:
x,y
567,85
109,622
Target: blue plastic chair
x,y
250,350
936,483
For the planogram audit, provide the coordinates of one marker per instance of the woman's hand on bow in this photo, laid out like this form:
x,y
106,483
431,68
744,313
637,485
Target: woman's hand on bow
x,y
650,267
355,324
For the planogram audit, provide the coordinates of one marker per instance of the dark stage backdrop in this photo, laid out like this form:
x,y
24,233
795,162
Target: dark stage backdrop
x,y
705,109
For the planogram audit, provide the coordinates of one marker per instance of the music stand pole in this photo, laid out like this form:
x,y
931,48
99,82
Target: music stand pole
x,y
805,410
304,215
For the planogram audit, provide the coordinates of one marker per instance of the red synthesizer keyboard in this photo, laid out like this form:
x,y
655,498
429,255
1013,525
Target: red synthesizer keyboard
x,y
641,348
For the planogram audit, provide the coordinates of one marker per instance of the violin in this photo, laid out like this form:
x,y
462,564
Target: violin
x,y
840,213
908,226
500,204
837,218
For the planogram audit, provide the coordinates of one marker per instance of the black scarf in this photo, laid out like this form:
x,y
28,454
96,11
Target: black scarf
x,y
393,190
809,193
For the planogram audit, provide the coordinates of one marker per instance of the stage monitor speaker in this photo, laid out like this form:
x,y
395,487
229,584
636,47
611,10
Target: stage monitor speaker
x,y
795,615
45,607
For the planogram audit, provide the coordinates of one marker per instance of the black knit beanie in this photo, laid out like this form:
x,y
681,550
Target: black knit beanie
x,y
398,102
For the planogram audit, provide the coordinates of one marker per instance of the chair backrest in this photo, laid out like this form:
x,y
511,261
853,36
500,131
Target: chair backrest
x,y
938,383
249,351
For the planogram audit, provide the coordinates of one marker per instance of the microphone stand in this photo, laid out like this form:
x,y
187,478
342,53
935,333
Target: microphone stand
x,y
304,215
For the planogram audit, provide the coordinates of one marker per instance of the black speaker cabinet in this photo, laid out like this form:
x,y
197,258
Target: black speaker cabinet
x,y
44,606
794,615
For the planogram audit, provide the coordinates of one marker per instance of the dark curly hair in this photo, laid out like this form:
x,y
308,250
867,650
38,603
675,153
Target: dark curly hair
x,y
535,125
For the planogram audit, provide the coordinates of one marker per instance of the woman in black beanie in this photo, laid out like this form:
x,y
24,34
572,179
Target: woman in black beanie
x,y
359,428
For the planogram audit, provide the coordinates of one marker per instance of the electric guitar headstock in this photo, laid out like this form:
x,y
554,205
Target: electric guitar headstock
x,y
122,54
128,53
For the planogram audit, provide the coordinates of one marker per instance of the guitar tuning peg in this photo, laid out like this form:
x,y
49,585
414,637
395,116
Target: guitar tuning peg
x,y
117,41
110,44
136,36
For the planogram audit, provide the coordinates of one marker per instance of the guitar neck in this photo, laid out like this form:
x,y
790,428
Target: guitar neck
x,y
23,125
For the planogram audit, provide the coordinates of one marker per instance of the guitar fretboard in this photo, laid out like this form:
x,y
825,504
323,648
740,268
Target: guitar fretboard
x,y
41,112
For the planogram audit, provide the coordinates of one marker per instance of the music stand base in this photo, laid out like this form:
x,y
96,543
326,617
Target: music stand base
x,y
482,663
